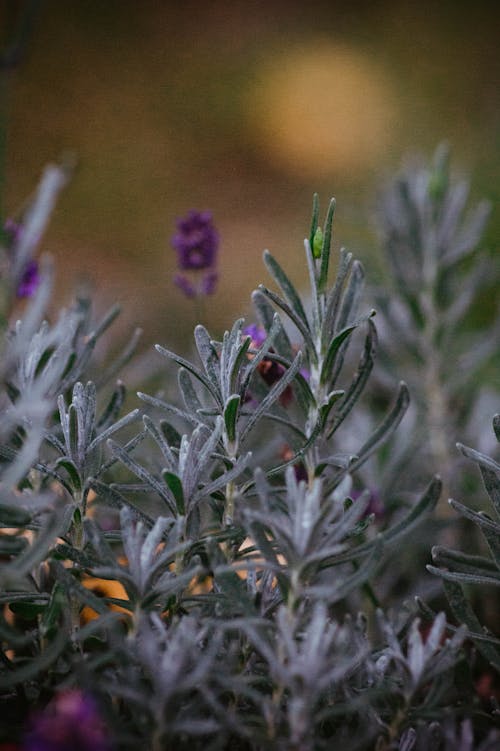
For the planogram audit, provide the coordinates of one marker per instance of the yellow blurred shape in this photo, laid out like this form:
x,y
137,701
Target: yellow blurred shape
x,y
322,109
103,588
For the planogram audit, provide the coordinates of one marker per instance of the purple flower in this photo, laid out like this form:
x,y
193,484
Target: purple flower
x,y
29,280
196,241
209,282
70,722
375,504
256,333
185,285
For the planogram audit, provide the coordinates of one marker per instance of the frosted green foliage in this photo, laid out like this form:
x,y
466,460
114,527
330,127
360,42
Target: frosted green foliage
x,y
204,568
433,275
461,570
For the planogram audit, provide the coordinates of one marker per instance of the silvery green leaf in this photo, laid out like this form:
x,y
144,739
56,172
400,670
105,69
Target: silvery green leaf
x,y
121,423
36,217
299,323
262,351
359,381
314,220
491,482
352,295
493,541
272,396
229,354
113,407
470,234
161,441
466,578
266,314
464,614
231,410
326,247
462,562
14,515
142,474
160,404
289,291
111,496
386,427
305,396
478,517
192,369
236,375
481,459
333,348
340,588
174,484
426,504
189,395
208,354
334,299
128,446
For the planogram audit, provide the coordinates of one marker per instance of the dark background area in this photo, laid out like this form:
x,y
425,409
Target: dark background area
x,y
244,108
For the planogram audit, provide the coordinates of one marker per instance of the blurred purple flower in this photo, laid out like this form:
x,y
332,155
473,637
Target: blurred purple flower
x,y
375,504
185,285
256,333
196,241
209,282
29,280
70,722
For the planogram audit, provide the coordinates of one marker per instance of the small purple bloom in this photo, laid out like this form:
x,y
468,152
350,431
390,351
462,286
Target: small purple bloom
x,y
209,282
70,722
196,241
375,504
29,280
185,285
256,333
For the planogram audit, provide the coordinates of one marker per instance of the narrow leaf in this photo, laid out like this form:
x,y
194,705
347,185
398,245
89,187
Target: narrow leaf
x,y
286,285
327,242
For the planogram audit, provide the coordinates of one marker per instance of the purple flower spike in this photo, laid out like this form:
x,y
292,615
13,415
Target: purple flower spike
x,y
70,722
209,283
29,280
196,241
185,285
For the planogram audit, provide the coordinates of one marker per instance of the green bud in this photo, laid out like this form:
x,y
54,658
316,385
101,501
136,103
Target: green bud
x,y
317,243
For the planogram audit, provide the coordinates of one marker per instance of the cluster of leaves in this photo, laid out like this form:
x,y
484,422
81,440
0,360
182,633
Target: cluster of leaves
x,y
204,569
429,236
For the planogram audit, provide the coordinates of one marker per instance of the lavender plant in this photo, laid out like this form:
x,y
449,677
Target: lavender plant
x,y
460,570
430,239
199,573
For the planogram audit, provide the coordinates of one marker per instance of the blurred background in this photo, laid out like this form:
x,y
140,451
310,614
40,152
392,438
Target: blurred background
x,y
243,108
